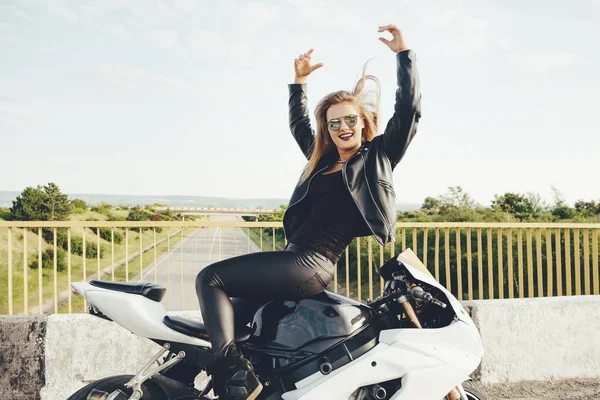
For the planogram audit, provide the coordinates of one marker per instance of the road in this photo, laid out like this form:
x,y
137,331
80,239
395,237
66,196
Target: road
x,y
177,269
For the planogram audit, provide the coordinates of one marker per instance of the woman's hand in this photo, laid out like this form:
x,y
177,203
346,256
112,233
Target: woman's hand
x,y
397,44
303,67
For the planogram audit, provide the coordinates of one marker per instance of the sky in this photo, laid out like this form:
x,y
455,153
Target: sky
x,y
189,97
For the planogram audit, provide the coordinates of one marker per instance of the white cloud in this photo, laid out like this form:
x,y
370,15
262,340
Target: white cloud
x,y
463,34
62,10
136,76
326,13
13,110
546,61
260,12
505,43
118,30
165,38
14,10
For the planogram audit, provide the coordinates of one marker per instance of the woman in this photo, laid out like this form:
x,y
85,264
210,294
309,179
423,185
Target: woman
x,y
344,192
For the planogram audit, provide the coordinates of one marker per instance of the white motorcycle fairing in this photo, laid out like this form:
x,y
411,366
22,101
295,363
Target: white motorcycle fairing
x,y
138,314
431,362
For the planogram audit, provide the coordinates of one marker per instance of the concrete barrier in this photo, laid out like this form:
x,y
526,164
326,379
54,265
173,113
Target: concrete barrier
x,y
539,339
50,357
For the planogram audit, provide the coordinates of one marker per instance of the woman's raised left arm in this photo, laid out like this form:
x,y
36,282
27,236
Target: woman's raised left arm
x,y
402,127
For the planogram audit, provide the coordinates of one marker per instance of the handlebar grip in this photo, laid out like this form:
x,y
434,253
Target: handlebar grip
x,y
417,292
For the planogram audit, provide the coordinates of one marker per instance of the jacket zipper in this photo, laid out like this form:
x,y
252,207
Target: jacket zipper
x,y
352,196
385,221
386,185
302,198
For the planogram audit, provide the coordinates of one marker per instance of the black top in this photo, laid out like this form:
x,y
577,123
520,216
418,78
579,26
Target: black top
x,y
333,219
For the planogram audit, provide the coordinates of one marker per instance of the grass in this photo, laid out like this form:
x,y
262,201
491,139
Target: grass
x,y
77,264
127,274
267,239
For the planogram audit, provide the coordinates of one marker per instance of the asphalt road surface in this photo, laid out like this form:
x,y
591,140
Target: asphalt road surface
x,y
177,269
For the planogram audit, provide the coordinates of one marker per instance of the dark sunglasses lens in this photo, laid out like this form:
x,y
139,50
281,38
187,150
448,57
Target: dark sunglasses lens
x,y
351,120
335,125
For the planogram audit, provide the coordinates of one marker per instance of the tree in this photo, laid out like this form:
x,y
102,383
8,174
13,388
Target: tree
x,y
30,205
46,203
57,204
137,213
78,203
457,198
563,212
587,208
560,208
430,203
559,197
538,205
515,204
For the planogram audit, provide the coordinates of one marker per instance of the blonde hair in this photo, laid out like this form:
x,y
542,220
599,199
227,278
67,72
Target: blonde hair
x,y
367,104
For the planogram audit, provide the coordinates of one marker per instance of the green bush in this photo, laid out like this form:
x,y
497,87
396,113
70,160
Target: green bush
x,y
91,250
61,237
140,214
105,233
78,206
5,214
48,260
104,208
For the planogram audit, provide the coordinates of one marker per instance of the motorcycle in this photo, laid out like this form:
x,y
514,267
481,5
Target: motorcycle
x,y
415,341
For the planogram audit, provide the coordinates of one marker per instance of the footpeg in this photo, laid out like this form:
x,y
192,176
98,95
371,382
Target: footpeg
x,y
148,371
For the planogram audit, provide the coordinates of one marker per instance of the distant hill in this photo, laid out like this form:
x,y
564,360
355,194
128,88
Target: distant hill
x,y
7,197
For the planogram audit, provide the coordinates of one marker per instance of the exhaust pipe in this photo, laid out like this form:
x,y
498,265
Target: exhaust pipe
x,y
379,392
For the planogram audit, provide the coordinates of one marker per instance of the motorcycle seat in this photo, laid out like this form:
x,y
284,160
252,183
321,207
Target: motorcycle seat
x,y
197,329
151,291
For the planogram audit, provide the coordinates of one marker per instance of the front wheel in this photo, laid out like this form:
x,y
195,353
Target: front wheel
x,y
473,392
101,389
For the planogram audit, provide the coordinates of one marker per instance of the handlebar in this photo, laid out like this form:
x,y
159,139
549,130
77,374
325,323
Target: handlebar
x,y
417,293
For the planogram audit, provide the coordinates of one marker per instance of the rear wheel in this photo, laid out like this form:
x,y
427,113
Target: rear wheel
x,y
473,392
100,389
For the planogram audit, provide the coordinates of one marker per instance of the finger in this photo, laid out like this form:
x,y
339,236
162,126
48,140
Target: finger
x,y
384,40
316,66
310,51
389,28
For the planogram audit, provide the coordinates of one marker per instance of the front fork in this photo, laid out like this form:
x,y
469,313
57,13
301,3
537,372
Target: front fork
x,y
458,393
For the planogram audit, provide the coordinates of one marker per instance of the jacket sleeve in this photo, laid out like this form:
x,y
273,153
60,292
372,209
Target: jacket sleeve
x,y
402,127
299,118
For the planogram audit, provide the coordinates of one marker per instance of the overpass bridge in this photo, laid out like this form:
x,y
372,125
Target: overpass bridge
x,y
530,287
245,212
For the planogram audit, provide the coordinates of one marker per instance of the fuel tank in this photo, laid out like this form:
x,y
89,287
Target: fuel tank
x,y
293,325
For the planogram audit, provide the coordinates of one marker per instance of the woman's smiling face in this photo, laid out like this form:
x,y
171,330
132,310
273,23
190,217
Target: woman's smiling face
x,y
346,138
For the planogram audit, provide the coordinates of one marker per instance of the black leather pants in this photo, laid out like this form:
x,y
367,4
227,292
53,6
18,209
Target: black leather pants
x,y
292,274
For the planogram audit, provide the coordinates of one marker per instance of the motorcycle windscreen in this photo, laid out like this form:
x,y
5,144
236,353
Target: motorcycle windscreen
x,y
407,257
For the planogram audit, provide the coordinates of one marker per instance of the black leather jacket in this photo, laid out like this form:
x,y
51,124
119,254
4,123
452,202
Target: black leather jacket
x,y
368,173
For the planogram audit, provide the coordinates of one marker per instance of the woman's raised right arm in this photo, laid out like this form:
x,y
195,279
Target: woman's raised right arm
x,y
298,109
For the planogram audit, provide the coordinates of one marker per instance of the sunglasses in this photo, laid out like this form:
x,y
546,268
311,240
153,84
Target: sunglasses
x,y
336,123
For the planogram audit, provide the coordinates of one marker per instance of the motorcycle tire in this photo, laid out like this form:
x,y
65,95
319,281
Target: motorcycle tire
x,y
150,389
473,392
